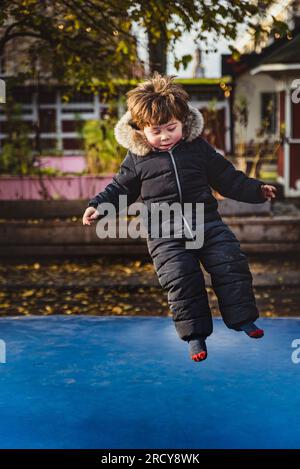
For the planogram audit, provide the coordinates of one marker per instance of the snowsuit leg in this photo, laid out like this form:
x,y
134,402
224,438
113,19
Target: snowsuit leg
x,y
231,278
179,273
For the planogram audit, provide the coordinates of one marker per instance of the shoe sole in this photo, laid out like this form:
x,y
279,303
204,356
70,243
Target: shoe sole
x,y
256,334
199,357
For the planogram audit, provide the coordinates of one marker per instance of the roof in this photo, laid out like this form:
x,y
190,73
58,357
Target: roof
x,y
281,51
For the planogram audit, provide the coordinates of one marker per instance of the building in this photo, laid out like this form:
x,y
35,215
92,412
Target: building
x,y
54,123
267,79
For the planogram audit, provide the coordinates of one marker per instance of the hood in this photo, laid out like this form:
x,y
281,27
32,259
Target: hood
x,y
128,136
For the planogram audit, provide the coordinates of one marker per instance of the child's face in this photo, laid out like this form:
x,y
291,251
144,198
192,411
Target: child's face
x,y
164,136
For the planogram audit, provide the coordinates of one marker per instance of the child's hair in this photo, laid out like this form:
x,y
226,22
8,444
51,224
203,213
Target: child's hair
x,y
157,100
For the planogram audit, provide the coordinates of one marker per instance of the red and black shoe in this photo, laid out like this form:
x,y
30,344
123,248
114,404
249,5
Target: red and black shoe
x,y
198,350
252,330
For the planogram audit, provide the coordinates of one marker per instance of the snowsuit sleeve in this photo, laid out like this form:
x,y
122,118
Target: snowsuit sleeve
x,y
230,182
125,182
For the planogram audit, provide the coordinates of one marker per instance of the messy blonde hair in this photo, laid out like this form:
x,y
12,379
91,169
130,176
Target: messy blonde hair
x,y
157,100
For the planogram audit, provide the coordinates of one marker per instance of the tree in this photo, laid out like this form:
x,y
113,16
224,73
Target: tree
x,y
80,42
166,21
86,43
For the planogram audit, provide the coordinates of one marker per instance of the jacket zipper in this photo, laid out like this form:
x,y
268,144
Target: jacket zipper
x,y
179,189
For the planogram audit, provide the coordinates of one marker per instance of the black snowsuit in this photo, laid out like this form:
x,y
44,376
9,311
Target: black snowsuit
x,y
186,173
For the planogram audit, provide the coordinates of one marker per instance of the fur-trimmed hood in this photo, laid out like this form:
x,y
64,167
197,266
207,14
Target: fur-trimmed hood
x,y
128,136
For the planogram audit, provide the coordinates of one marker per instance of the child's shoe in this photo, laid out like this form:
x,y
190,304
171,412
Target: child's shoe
x,y
252,330
198,350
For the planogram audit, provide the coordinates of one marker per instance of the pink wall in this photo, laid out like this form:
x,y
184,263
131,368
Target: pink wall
x,y
72,164
58,187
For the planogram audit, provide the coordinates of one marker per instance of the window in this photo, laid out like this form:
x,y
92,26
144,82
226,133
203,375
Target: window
x,y
47,120
269,112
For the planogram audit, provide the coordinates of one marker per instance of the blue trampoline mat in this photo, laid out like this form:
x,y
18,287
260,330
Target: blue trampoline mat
x,y
128,382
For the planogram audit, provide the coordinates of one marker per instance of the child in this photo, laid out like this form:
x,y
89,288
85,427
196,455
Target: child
x,y
169,161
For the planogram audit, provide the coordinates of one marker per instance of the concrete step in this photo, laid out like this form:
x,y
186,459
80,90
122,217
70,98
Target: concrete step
x,y
23,238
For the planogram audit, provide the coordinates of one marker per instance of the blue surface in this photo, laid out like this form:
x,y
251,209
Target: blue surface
x,y
128,382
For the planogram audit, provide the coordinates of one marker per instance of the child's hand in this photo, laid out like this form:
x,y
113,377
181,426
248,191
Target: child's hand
x,y
269,192
89,216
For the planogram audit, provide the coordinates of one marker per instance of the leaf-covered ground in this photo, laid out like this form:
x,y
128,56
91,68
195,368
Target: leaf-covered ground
x,y
106,286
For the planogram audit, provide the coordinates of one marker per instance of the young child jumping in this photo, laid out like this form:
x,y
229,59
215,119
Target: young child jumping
x,y
168,161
